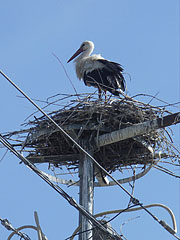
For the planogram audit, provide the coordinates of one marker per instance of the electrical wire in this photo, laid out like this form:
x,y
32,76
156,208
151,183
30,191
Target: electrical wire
x,y
134,200
20,228
9,226
76,232
97,184
57,188
67,135
130,209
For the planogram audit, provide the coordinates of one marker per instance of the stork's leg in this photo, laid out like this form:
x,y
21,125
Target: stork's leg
x,y
99,92
105,92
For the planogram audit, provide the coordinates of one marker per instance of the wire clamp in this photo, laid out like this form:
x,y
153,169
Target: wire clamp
x,y
167,227
6,224
135,201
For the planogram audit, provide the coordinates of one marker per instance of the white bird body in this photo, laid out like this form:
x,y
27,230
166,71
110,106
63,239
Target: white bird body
x,y
98,72
87,64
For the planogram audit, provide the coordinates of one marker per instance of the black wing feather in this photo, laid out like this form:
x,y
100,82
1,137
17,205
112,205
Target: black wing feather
x,y
109,78
111,65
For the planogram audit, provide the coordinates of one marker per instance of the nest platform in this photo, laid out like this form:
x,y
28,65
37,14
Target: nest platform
x,y
85,118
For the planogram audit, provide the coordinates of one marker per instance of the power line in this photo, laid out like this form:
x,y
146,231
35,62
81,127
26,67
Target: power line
x,y
9,227
130,209
75,234
133,200
57,188
67,135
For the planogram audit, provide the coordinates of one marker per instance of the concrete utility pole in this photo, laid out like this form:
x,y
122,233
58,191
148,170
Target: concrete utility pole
x,y
86,195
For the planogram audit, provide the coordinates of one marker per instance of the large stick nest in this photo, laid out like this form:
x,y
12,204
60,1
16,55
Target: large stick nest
x,y
84,119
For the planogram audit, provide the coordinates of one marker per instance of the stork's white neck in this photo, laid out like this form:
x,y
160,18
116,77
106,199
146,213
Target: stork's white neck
x,y
84,54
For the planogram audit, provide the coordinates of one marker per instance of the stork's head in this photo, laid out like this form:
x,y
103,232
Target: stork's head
x,y
86,45
85,49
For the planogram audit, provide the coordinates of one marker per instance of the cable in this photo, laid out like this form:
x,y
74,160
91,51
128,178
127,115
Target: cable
x,y
8,226
20,228
134,200
140,208
75,233
57,188
130,209
96,184
67,135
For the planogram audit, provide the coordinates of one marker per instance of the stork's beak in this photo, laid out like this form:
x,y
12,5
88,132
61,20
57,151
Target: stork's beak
x,y
80,50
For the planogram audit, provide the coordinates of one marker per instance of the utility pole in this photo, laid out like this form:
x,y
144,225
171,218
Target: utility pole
x,y
86,195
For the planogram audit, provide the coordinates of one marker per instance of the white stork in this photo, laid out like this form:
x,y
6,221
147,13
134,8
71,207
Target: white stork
x,y
98,72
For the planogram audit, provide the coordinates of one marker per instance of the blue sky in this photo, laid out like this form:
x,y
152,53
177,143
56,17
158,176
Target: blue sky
x,y
141,35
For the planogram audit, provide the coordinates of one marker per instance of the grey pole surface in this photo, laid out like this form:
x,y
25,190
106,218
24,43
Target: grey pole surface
x,y
86,195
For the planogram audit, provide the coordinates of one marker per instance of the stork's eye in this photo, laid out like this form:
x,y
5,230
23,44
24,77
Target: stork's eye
x,y
83,45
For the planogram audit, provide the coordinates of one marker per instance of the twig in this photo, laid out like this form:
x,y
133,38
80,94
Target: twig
x,y
65,72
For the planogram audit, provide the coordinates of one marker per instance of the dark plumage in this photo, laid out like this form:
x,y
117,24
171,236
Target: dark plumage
x,y
108,78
